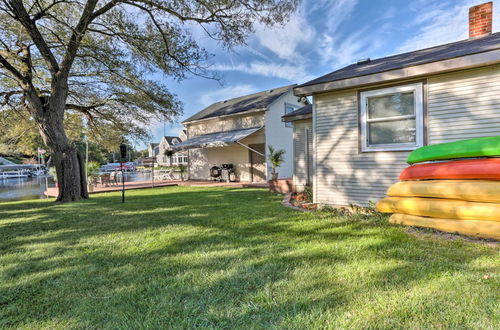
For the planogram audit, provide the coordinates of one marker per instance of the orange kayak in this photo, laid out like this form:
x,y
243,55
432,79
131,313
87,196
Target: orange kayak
x,y
469,169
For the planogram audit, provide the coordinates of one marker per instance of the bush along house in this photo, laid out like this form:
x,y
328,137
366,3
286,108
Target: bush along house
x,y
239,131
368,116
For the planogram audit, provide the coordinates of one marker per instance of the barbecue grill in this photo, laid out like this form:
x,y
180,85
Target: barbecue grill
x,y
216,173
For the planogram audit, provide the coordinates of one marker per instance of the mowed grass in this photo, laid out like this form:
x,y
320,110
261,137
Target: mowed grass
x,y
186,257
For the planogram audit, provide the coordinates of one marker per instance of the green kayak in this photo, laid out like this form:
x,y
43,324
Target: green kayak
x,y
479,147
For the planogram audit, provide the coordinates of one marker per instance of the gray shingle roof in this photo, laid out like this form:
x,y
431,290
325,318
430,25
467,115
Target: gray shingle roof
x,y
305,110
170,138
427,55
257,101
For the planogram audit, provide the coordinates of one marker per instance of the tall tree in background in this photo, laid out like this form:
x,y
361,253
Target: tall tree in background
x,y
94,57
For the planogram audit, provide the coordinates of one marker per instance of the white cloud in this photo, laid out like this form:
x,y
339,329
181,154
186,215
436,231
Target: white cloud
x,y
290,72
337,49
225,93
285,41
336,12
443,23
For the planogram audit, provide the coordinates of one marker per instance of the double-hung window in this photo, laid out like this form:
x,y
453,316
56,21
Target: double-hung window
x,y
392,118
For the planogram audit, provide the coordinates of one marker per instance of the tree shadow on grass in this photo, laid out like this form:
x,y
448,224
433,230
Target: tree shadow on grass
x,y
190,257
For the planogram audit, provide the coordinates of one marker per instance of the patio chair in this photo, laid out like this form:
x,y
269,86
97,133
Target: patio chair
x,y
105,179
113,178
165,175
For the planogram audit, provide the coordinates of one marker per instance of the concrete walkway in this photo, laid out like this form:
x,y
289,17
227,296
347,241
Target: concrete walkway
x,y
53,191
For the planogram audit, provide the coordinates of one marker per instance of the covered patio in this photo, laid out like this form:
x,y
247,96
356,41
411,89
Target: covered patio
x,y
243,148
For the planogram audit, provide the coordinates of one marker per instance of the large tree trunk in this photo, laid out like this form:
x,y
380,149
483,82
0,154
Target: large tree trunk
x,y
70,173
69,164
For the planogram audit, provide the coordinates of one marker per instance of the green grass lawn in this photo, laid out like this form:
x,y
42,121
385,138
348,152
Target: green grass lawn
x,y
185,257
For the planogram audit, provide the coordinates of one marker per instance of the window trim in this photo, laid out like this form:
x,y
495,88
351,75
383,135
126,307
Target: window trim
x,y
418,89
295,107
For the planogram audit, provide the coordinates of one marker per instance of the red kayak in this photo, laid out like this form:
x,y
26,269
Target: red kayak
x,y
472,169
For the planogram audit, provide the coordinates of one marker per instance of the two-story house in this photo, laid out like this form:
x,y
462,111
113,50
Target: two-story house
x,y
238,131
158,150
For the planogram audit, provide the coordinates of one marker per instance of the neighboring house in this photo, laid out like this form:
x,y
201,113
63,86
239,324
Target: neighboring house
x,y
238,131
368,116
157,150
301,120
178,158
153,150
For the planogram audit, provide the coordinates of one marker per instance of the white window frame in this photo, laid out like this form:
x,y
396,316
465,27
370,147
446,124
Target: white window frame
x,y
419,118
295,107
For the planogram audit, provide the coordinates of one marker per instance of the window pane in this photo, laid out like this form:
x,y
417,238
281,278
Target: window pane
x,y
398,131
397,104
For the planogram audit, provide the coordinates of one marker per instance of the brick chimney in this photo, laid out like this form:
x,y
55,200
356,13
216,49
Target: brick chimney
x,y
480,18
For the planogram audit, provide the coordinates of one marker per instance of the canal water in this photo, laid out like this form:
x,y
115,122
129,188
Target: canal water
x,y
18,189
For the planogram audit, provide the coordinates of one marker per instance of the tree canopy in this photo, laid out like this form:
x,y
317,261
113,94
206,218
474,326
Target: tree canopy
x,y
123,44
102,59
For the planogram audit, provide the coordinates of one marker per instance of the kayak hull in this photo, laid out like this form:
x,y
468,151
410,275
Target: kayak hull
x,y
481,169
467,190
479,228
478,147
440,208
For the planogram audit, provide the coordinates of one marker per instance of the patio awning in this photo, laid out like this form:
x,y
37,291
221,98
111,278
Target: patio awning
x,y
213,140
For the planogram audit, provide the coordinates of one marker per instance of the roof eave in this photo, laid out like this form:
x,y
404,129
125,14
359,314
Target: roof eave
x,y
224,116
432,68
295,118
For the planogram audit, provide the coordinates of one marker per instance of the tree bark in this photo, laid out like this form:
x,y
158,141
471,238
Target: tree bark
x,y
49,117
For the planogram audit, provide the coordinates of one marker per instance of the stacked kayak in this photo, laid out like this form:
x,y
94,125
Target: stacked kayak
x,y
452,187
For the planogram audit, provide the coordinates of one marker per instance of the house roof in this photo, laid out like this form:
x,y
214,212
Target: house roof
x,y
256,101
218,139
170,139
422,56
153,145
302,113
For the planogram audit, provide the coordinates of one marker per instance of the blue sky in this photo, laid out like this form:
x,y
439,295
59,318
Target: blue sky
x,y
322,36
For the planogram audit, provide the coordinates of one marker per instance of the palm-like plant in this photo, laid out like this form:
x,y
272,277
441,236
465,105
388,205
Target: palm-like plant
x,y
182,170
276,157
93,172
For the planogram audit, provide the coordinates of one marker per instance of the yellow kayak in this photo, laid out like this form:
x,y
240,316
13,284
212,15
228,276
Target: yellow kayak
x,y
479,228
468,190
440,208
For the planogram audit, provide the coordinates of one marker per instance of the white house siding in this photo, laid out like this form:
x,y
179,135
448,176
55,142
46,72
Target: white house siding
x,y
459,106
223,124
302,152
464,105
344,175
278,135
201,160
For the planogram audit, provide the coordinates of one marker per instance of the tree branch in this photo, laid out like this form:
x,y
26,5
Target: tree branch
x,y
76,37
23,17
17,75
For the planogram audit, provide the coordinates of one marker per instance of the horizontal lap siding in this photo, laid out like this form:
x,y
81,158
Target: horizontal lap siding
x,y
459,106
300,154
464,105
344,175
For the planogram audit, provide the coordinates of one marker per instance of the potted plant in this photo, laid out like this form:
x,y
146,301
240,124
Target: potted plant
x,y
92,175
276,157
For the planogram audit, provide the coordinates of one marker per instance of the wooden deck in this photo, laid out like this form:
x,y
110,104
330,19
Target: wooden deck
x,y
53,192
